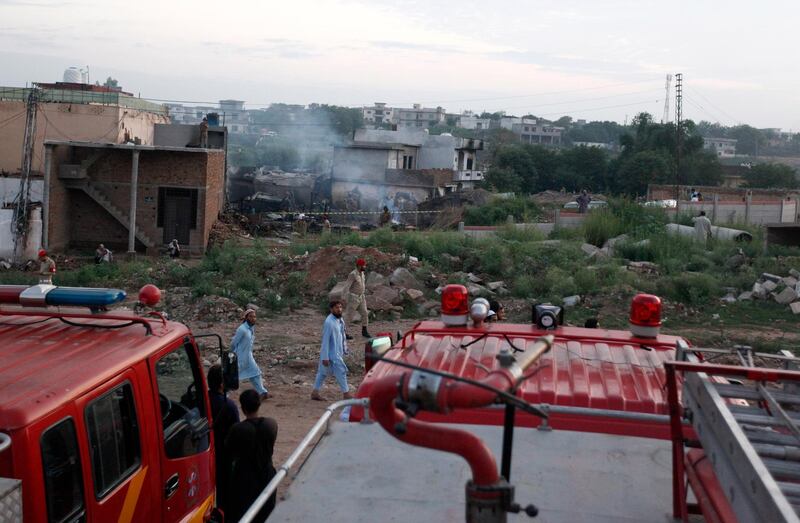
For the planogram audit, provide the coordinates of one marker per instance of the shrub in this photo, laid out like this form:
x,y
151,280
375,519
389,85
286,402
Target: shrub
x,y
622,216
512,233
497,211
689,288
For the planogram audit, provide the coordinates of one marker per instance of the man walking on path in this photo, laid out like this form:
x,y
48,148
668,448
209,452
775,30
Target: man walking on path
x,y
702,228
249,447
242,346
331,355
354,289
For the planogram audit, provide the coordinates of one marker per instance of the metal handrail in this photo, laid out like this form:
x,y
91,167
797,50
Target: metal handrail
x,y
5,441
283,471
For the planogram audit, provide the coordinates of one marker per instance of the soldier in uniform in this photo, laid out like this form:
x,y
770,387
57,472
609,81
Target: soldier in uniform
x,y
354,289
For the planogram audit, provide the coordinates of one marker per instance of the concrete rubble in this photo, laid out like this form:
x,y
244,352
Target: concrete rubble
x,y
402,277
784,290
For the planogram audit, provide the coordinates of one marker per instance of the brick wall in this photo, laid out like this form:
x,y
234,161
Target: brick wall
x,y
60,224
667,192
111,173
215,192
85,215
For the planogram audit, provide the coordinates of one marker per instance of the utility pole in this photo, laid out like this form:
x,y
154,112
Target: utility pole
x,y
679,130
665,118
22,208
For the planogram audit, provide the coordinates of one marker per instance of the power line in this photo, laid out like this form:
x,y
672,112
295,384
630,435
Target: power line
x,y
698,93
583,99
562,91
510,97
700,107
601,108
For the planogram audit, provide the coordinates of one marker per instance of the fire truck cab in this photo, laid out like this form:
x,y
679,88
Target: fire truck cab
x,y
104,416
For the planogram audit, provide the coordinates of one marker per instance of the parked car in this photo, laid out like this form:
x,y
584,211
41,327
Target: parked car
x,y
594,204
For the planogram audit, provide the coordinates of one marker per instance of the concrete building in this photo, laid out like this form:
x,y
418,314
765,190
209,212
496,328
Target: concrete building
x,y
468,120
130,197
722,147
73,112
378,114
366,177
540,134
234,116
402,167
508,122
419,117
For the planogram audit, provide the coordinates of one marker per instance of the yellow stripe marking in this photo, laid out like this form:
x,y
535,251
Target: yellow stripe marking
x,y
197,515
132,497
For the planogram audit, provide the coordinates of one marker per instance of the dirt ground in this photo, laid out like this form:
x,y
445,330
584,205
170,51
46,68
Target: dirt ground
x,y
287,350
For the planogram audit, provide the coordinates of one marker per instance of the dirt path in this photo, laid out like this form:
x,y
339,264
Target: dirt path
x,y
287,350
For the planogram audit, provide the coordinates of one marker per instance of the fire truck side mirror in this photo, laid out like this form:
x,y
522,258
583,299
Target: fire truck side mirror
x,y
230,370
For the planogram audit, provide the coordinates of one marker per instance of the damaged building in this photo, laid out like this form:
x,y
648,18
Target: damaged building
x,y
133,198
262,189
400,169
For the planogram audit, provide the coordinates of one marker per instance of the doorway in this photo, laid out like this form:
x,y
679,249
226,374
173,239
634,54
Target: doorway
x,y
177,213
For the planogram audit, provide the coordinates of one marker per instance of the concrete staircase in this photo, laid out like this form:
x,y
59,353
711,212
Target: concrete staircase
x,y
99,196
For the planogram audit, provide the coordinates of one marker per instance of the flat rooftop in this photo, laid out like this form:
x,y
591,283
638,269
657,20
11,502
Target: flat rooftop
x,y
130,146
75,96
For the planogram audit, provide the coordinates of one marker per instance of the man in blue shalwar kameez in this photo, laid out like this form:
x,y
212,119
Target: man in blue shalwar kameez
x,y
242,346
331,355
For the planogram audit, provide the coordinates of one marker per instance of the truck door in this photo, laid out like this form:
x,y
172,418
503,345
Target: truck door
x,y
186,461
119,479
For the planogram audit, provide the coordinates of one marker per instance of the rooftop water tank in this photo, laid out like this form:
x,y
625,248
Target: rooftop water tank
x,y
73,75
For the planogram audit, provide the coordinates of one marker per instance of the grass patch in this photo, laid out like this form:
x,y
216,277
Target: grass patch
x,y
496,212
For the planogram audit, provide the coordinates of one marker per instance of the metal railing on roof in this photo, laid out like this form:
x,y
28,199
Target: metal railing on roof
x,y
320,427
70,96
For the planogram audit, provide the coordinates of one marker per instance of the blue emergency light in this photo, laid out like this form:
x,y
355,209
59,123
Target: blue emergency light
x,y
46,294
84,297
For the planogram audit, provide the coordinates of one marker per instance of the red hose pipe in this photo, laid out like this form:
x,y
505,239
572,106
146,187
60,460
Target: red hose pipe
x,y
430,435
460,395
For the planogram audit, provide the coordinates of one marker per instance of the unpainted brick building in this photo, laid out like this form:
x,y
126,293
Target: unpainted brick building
x,y
90,188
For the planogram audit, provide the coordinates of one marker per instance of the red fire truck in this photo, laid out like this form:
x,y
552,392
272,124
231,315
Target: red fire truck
x,y
600,425
104,416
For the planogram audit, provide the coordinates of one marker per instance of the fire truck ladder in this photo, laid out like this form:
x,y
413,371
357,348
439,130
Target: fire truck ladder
x,y
747,421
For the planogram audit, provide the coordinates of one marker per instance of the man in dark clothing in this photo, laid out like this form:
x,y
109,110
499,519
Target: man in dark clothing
x,y
204,133
249,449
386,217
224,414
583,202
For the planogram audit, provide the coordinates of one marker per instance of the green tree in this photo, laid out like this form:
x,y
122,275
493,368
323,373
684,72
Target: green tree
x,y
564,121
749,140
702,168
502,180
111,82
519,160
642,168
771,175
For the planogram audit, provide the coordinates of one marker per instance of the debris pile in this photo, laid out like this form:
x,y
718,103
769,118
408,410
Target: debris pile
x,y
784,290
182,306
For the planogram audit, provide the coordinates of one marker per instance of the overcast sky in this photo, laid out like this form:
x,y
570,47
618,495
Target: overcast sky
x,y
590,59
